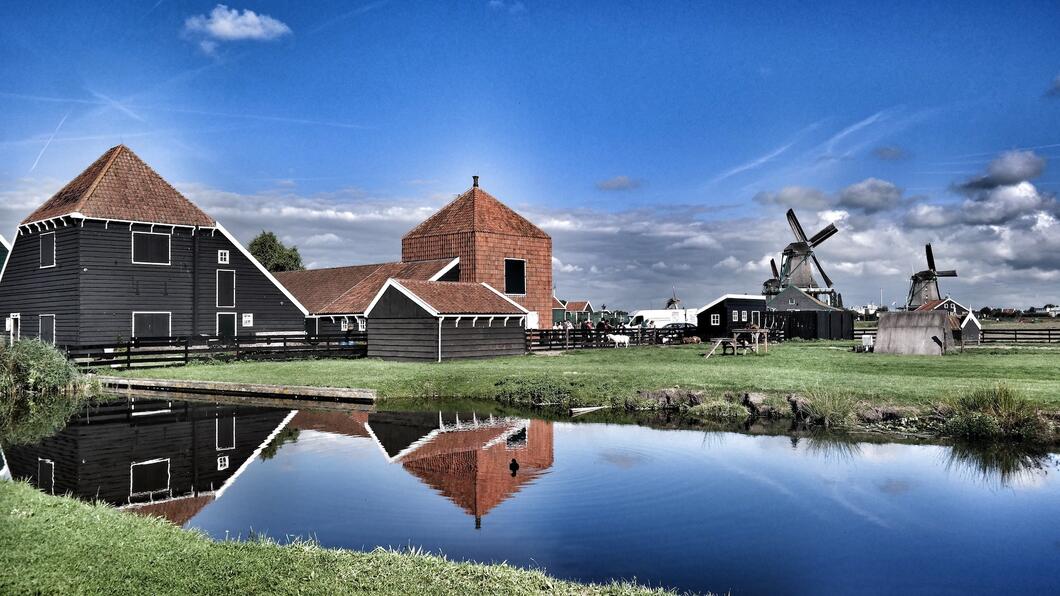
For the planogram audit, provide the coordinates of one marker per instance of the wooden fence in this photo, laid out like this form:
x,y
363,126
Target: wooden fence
x,y
994,335
575,339
167,351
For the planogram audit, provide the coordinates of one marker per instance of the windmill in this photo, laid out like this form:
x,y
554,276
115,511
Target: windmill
x,y
798,262
673,303
924,285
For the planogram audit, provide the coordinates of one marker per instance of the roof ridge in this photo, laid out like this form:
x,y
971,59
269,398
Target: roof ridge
x,y
117,149
378,266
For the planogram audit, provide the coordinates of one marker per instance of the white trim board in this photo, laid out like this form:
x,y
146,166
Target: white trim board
x,y
4,242
262,269
441,272
734,296
393,283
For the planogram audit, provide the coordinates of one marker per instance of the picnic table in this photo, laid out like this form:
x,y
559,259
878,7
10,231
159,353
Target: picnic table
x,y
751,339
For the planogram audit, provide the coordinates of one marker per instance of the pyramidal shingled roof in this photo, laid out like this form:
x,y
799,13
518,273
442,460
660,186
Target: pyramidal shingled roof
x,y
476,211
120,186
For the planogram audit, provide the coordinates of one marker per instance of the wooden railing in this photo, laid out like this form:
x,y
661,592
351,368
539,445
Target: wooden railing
x,y
996,335
574,339
167,351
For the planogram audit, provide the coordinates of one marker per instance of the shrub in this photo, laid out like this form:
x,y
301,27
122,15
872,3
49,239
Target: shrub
x,y
719,409
830,409
997,412
39,390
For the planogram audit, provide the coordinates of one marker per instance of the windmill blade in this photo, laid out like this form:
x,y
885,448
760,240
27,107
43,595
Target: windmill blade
x,y
796,227
947,273
773,266
930,257
829,231
824,276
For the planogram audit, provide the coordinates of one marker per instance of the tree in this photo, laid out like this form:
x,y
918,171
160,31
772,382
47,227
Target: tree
x,y
273,255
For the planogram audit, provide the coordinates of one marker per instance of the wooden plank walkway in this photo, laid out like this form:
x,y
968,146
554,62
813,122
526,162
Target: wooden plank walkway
x,y
357,396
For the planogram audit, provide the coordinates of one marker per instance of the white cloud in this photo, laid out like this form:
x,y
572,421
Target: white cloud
x,y
229,24
730,262
618,183
871,195
794,196
565,267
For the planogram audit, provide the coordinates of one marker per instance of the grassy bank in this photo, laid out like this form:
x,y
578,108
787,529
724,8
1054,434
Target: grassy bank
x,y
58,545
589,377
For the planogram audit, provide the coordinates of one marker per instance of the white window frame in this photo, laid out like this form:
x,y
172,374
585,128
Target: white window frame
x,y
169,249
55,260
51,464
16,328
247,316
715,319
217,289
735,316
169,476
224,257
217,323
40,327
791,302
344,324
222,463
360,324
151,312
743,316
756,317
217,434
525,273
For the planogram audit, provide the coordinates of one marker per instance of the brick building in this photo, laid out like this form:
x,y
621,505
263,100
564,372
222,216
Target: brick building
x,y
495,245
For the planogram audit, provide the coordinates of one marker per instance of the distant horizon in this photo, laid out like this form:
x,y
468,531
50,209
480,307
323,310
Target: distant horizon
x,y
658,145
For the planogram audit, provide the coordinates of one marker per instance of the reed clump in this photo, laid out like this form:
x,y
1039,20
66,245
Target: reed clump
x,y
997,412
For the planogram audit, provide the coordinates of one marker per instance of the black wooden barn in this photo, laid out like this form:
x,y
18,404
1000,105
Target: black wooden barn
x,y
118,253
731,311
437,320
802,316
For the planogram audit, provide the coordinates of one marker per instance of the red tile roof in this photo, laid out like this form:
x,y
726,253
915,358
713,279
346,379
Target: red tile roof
x,y
476,211
119,185
930,305
577,305
349,290
459,298
557,304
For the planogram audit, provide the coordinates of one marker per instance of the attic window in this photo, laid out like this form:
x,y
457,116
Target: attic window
x,y
47,250
150,248
515,276
715,319
222,257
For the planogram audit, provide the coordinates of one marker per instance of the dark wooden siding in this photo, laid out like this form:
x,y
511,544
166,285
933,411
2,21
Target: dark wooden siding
x,y
483,340
31,291
255,293
398,329
725,309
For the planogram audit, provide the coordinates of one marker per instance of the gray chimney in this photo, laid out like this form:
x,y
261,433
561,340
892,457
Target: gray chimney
x,y
474,181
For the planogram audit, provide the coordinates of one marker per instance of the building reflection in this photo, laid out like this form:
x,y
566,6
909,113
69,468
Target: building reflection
x,y
159,457
475,462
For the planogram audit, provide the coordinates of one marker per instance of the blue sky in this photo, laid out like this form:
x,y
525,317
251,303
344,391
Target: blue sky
x,y
641,136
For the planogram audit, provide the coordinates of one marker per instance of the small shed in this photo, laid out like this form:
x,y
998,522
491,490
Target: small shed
x,y
436,320
927,333
971,328
728,312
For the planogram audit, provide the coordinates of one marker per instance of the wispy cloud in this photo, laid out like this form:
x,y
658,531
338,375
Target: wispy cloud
x,y
618,183
754,163
515,7
116,105
348,15
49,142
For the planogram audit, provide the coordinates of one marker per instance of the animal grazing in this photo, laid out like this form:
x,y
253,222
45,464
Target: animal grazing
x,y
619,340
692,340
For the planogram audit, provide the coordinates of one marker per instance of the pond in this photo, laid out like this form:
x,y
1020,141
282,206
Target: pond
x,y
592,501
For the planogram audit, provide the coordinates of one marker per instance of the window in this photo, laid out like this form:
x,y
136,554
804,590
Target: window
x,y
151,324
225,433
735,316
46,475
756,318
148,477
222,257
47,329
47,250
248,319
743,316
791,302
222,463
514,276
360,324
149,248
344,325
715,319
226,288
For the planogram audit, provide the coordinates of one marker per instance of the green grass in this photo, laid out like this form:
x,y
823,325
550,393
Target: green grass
x,y
605,376
59,545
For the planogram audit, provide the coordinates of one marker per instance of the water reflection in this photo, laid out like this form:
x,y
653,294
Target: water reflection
x,y
1000,464
160,457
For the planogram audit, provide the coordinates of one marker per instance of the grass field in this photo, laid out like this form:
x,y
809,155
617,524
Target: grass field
x,y
59,545
604,375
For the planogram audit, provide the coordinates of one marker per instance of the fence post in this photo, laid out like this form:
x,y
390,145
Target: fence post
x,y
187,341
128,354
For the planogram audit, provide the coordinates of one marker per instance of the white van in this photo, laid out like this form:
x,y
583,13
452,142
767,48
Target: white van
x,y
661,318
